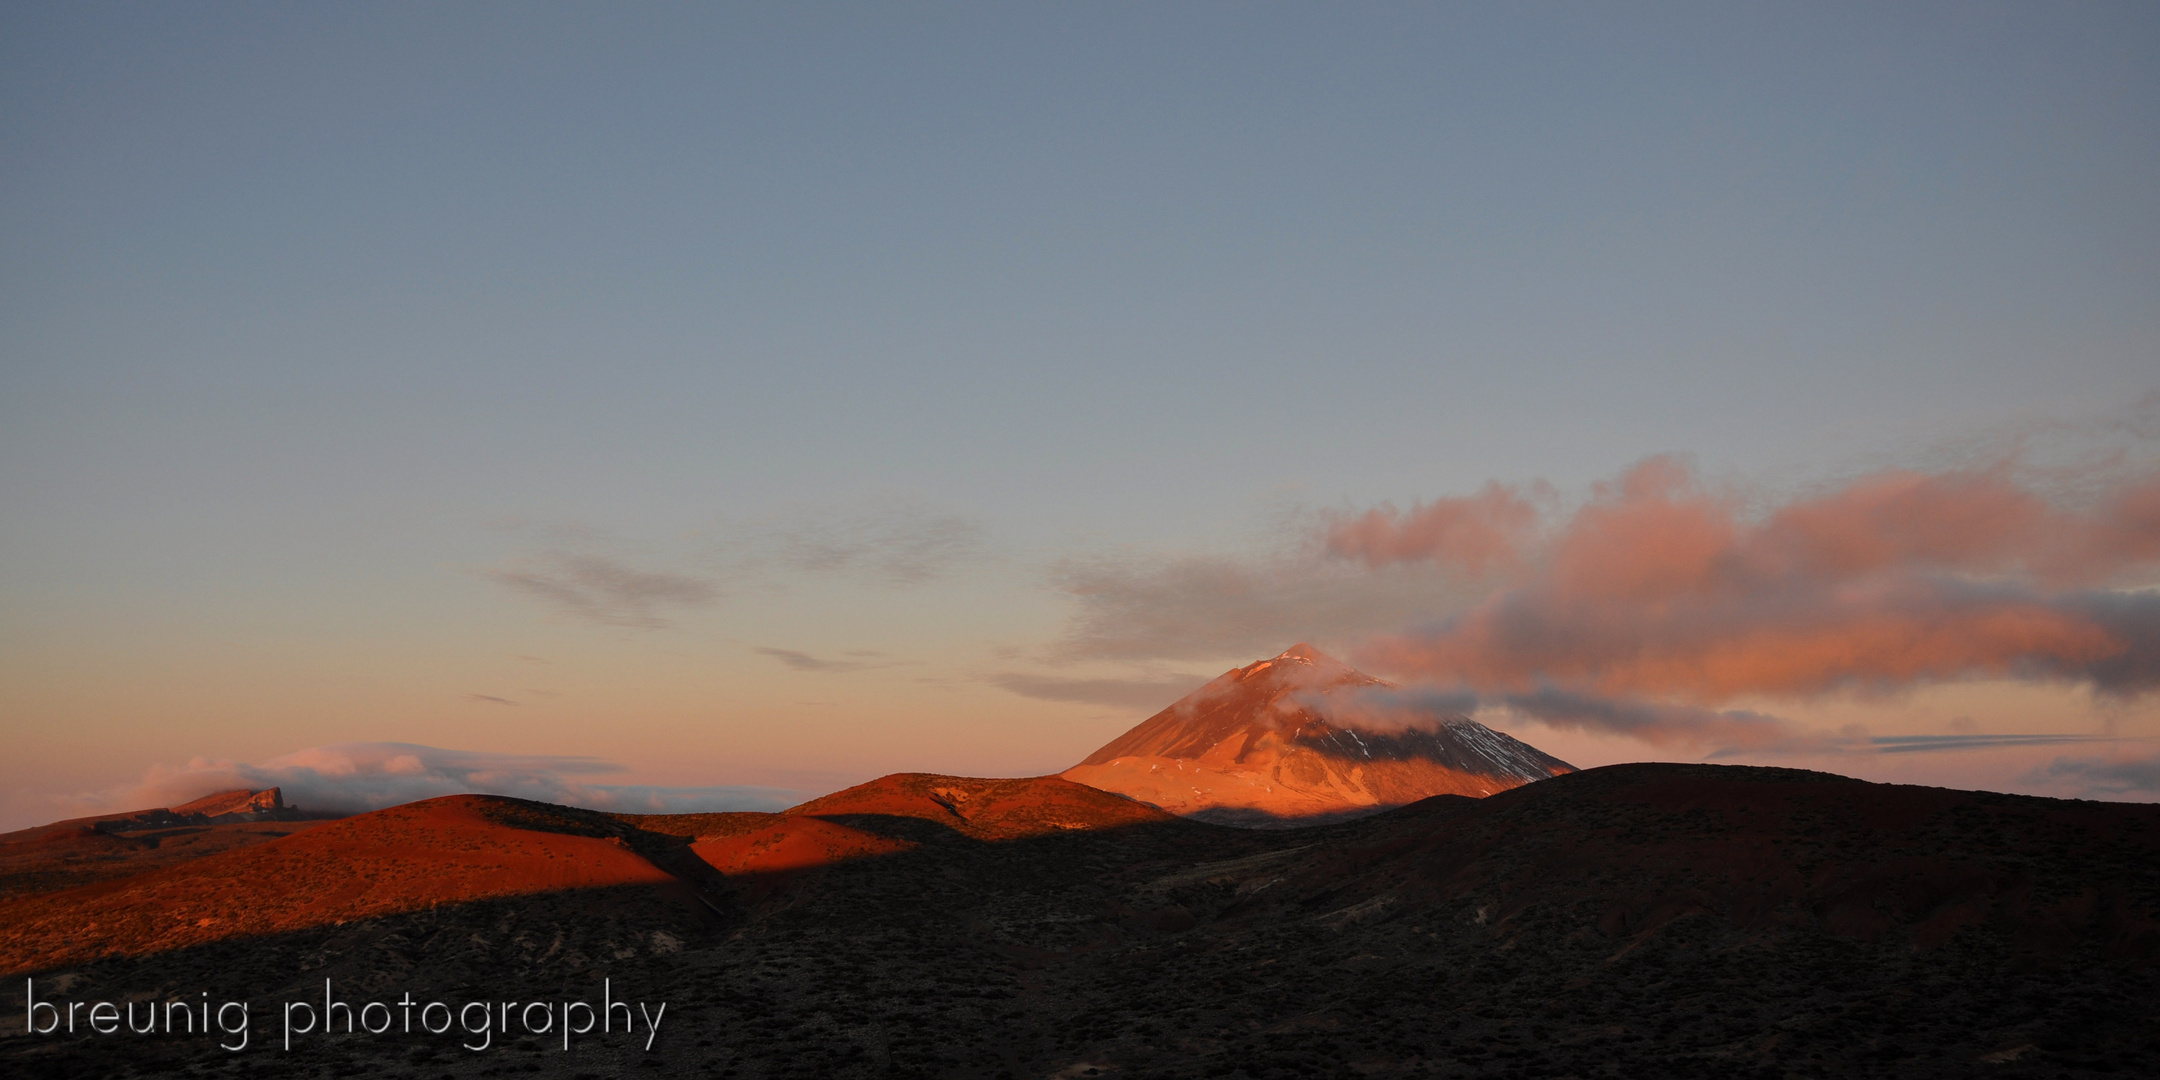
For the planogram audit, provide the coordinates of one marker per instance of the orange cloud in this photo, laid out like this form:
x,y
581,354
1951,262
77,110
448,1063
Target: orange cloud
x,y
1661,588
1481,531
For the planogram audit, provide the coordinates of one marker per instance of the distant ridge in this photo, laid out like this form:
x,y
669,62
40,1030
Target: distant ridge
x,y
237,801
985,809
1280,741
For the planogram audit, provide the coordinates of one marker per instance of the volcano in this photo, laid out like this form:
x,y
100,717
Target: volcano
x,y
1300,738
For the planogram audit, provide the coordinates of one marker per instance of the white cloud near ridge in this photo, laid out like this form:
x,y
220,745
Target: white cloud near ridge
x,y
361,776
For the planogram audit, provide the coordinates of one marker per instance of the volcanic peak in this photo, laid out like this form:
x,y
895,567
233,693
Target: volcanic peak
x,y
1301,735
1303,663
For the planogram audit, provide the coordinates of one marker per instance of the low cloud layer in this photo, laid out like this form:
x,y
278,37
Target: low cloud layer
x,y
1654,722
2096,776
1390,708
1930,744
599,589
1724,733
1659,588
356,777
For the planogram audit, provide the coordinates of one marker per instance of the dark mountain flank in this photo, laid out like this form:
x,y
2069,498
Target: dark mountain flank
x,y
1638,920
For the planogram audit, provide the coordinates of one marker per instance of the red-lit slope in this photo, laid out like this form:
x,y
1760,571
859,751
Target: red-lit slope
x,y
67,855
1283,739
761,851
80,851
987,809
447,850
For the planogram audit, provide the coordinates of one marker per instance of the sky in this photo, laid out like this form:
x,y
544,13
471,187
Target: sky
x,y
696,405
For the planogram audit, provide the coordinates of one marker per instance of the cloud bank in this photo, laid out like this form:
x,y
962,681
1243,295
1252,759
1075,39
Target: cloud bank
x,y
2104,776
1661,588
362,776
1666,610
1394,708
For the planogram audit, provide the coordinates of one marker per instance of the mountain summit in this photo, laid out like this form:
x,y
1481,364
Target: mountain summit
x,y
1300,737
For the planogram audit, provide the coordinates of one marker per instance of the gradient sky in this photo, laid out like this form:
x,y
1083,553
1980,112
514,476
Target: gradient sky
x,y
785,395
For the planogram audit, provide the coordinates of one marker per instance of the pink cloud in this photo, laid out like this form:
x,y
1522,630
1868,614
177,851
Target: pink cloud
x,y
1661,588
1477,532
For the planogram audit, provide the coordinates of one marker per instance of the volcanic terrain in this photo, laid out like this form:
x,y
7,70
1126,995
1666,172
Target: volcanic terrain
x,y
1296,739
1637,920
84,850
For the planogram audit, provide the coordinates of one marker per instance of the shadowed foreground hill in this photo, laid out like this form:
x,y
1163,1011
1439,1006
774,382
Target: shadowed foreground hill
x,y
1643,920
465,848
1632,849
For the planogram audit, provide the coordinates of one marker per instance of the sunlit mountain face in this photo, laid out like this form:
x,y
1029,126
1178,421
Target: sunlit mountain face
x,y
1299,738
